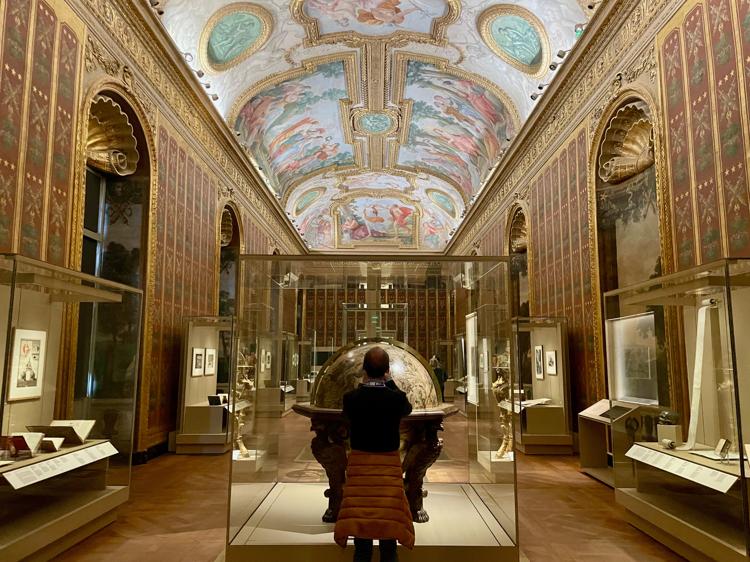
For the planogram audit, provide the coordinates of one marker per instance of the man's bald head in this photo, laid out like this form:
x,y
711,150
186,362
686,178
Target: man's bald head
x,y
377,363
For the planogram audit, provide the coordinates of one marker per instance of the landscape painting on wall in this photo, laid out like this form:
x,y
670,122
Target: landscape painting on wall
x,y
375,17
458,128
369,220
294,128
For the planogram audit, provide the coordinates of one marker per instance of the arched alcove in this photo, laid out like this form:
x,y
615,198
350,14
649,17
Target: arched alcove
x,y
229,253
518,245
114,218
628,229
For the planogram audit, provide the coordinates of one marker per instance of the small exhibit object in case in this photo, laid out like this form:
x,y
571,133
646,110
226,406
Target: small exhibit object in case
x,y
539,362
210,362
199,360
214,400
73,432
27,365
551,362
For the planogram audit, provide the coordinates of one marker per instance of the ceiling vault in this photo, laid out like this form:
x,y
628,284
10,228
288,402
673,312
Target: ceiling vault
x,y
375,122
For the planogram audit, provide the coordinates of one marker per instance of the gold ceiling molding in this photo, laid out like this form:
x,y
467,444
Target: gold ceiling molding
x,y
436,36
484,23
628,145
263,15
110,142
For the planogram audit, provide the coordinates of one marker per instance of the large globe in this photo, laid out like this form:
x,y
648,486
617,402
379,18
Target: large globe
x,y
343,372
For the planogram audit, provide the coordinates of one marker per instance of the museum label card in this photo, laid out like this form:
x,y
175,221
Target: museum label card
x,y
48,468
703,475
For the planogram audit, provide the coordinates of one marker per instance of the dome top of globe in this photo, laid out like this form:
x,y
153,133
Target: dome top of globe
x,y
343,372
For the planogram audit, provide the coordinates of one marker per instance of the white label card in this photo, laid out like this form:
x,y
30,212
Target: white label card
x,y
703,475
33,473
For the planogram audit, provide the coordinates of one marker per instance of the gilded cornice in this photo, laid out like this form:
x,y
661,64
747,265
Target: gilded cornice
x,y
138,33
586,85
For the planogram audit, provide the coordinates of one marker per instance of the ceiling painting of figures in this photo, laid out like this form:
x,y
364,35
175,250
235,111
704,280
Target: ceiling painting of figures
x,y
377,221
353,111
438,205
372,17
458,128
294,128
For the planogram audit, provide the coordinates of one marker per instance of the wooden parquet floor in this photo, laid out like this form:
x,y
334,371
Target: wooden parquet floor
x,y
178,506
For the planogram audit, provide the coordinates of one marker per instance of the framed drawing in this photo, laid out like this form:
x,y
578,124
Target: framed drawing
x,y
551,357
199,361
539,362
262,361
27,365
268,360
210,362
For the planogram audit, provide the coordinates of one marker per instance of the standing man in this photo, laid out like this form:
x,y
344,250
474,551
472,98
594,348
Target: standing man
x,y
375,505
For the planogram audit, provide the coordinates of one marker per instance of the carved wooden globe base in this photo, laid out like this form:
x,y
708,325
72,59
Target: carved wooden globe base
x,y
421,448
421,445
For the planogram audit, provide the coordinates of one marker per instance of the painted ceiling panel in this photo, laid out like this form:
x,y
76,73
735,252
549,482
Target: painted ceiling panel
x,y
375,122
374,17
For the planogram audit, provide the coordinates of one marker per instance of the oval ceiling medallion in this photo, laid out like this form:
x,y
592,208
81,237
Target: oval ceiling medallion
x,y
374,122
442,201
517,36
306,199
233,34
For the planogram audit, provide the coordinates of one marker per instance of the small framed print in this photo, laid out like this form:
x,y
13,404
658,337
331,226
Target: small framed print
x,y
27,365
210,367
199,361
551,362
539,362
262,361
268,360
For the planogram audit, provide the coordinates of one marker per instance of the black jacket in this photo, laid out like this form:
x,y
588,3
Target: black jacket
x,y
374,411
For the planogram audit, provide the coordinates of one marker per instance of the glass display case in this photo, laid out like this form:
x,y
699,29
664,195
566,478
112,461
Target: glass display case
x,y
203,421
540,356
306,322
70,348
681,465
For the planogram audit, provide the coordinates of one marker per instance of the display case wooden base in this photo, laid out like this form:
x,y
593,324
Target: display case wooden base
x,y
42,519
687,534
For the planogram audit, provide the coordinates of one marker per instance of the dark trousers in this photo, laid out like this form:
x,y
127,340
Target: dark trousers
x,y
363,550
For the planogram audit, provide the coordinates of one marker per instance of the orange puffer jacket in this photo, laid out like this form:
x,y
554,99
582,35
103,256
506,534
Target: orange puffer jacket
x,y
374,505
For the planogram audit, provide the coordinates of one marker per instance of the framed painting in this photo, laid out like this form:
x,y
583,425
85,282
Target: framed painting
x,y
539,362
199,362
27,365
210,367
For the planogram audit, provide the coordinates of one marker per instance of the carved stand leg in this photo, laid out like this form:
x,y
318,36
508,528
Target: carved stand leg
x,y
423,448
329,449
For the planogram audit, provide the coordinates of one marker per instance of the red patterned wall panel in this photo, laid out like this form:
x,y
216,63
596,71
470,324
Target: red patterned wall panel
x,y
12,84
732,144
702,134
679,155
63,146
37,131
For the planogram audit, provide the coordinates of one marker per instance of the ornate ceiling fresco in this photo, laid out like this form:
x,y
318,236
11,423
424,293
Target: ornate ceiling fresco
x,y
375,122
